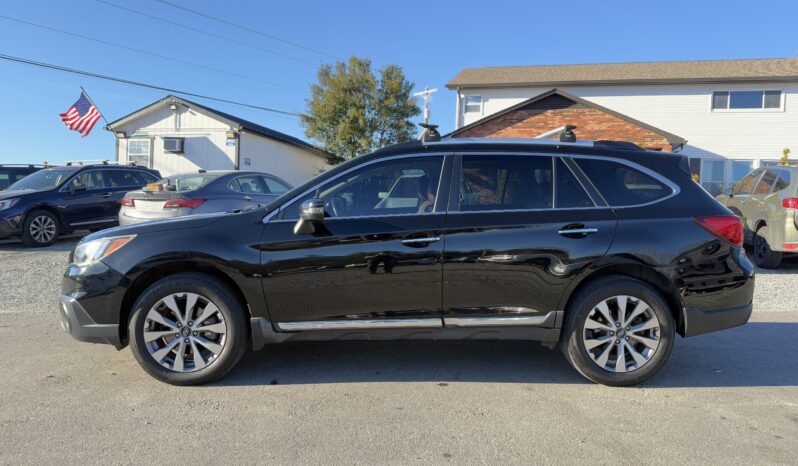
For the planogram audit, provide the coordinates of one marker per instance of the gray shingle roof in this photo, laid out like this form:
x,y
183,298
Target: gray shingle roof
x,y
758,70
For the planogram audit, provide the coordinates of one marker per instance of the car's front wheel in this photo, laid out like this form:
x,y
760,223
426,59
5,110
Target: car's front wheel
x,y
188,329
41,228
618,331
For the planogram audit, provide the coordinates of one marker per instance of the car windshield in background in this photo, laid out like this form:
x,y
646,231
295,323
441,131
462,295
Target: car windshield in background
x,y
43,179
184,183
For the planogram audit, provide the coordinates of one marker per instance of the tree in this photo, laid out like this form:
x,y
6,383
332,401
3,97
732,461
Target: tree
x,y
352,111
785,157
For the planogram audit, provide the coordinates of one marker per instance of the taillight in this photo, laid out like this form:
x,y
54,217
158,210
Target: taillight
x,y
725,227
183,203
790,202
127,202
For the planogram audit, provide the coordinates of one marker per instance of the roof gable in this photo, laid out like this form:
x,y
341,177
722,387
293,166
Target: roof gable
x,y
231,120
555,97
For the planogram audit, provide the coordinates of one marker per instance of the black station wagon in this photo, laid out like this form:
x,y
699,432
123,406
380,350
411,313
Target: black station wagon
x,y
600,248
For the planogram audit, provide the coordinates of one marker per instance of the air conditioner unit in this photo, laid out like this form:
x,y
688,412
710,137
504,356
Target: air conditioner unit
x,y
173,145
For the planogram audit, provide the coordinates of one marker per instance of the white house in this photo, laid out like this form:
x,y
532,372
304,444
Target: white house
x,y
727,116
175,135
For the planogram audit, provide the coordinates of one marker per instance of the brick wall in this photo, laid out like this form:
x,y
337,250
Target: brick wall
x,y
555,111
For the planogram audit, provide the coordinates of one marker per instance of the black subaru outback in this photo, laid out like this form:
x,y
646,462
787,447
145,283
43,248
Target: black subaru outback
x,y
600,248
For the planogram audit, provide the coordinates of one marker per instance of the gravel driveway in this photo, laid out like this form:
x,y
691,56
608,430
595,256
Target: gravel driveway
x,y
729,397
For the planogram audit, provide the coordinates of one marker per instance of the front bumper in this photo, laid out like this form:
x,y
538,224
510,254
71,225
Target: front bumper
x,y
8,228
76,322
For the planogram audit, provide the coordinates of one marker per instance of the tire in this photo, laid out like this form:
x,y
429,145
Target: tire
x,y
763,255
220,339
578,332
40,228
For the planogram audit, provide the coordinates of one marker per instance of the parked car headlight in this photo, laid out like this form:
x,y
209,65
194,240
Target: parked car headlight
x,y
8,203
95,250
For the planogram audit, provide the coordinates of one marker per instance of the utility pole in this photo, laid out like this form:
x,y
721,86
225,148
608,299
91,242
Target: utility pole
x,y
426,93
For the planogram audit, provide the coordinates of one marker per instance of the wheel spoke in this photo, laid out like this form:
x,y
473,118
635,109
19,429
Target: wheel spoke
x,y
154,335
620,363
596,342
639,309
215,348
210,309
199,361
605,311
158,317
621,300
593,324
161,353
219,328
639,358
179,362
647,325
650,342
191,301
605,355
170,303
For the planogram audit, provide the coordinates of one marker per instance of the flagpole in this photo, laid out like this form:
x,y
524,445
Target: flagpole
x,y
95,105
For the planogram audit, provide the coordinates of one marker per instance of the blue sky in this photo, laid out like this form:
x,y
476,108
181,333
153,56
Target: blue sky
x,y
431,40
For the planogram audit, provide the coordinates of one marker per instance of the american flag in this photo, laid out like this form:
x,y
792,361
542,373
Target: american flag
x,y
81,116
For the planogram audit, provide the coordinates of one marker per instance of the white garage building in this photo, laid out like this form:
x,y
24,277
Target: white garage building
x,y
175,135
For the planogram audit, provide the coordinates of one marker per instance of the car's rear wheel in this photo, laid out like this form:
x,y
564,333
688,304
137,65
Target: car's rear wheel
x,y
41,228
188,329
618,331
763,255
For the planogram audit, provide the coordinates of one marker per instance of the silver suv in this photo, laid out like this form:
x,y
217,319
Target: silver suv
x,y
767,201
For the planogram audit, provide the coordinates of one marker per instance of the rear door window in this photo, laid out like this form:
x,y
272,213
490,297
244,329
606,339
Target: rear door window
x,y
126,179
506,182
275,186
621,184
782,180
247,184
765,185
746,185
570,193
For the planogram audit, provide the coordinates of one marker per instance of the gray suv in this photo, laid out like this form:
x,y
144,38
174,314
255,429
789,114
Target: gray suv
x,y
767,201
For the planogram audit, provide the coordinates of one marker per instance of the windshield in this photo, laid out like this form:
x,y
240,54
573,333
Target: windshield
x,y
184,183
43,179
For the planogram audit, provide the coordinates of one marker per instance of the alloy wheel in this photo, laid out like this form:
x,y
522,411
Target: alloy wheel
x,y
621,334
185,332
42,229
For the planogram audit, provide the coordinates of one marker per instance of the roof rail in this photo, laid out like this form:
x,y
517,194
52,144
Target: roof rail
x,y
542,142
82,163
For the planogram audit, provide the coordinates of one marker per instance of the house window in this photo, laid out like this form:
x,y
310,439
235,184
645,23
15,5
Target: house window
x,y
473,104
746,100
140,152
712,176
740,168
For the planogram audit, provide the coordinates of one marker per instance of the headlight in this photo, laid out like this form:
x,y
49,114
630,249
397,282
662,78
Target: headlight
x,y
95,250
8,203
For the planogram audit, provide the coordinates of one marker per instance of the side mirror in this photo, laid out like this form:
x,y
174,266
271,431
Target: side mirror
x,y
74,187
382,195
311,212
729,191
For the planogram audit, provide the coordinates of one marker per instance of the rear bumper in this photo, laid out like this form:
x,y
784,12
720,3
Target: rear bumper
x,y
76,322
697,322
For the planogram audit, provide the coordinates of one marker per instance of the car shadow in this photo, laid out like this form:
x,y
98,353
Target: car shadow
x,y
755,355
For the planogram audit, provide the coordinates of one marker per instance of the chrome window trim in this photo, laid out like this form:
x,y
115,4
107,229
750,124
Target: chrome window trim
x,y
330,219
277,210
675,189
359,324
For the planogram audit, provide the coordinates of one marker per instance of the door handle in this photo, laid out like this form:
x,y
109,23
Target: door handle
x,y
247,198
106,195
578,231
425,240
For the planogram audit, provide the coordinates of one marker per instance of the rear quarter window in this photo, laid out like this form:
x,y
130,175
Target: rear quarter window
x,y
622,185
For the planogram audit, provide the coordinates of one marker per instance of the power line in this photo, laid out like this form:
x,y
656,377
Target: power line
x,y
144,52
201,31
136,83
245,28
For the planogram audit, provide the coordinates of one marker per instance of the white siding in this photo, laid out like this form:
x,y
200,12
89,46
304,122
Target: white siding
x,y
684,110
205,147
290,163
